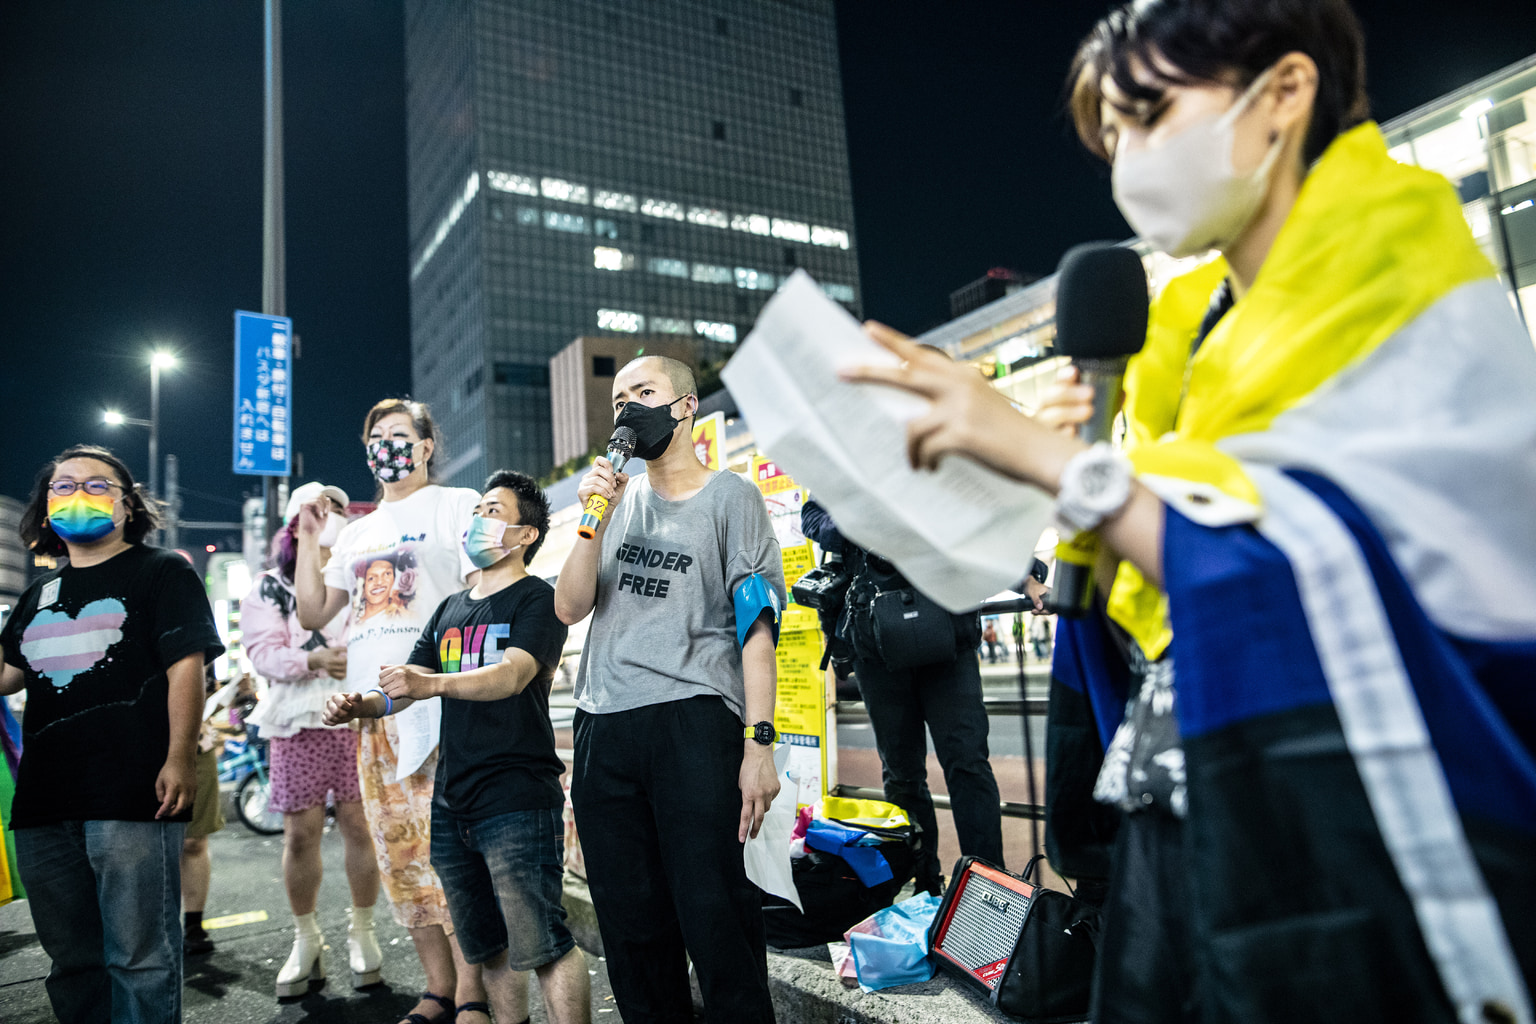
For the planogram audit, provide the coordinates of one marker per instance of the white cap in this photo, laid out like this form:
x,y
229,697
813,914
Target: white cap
x,y
306,493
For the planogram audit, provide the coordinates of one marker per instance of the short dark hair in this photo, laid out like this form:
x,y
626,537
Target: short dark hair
x,y
143,510
532,505
420,414
1228,41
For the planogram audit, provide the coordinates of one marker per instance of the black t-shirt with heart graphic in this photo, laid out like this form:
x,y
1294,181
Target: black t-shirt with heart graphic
x,y
93,645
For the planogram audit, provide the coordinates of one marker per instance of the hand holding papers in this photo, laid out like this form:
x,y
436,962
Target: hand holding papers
x,y
960,533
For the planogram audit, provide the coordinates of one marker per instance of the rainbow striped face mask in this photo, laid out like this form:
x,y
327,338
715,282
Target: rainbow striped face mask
x,y
81,518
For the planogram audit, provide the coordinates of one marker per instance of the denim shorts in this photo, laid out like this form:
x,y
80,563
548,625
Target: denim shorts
x,y
503,879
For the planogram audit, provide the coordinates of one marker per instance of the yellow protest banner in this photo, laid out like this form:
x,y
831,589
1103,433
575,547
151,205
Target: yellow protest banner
x,y
801,713
709,440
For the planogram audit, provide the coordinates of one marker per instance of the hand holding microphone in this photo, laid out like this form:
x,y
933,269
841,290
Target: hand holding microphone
x,y
605,482
1101,321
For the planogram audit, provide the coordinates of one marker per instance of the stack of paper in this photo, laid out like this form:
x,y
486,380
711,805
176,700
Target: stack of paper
x,y
960,534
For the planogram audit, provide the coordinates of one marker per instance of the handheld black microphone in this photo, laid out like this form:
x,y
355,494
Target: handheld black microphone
x,y
1101,321
620,447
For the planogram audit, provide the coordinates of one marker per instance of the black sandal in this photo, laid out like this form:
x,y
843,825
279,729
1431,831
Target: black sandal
x,y
484,1008
443,1001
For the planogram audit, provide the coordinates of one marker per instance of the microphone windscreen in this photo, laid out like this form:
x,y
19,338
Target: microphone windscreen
x,y
623,440
1101,302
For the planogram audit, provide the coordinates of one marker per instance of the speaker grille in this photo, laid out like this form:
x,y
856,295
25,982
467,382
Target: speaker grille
x,y
984,925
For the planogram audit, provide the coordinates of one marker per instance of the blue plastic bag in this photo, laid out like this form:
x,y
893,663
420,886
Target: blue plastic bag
x,y
860,849
891,947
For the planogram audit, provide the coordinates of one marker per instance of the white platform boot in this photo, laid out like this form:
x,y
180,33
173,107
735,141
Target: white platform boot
x,y
306,962
363,953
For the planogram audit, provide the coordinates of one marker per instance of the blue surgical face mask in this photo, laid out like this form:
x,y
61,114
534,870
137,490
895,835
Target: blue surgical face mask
x,y
482,541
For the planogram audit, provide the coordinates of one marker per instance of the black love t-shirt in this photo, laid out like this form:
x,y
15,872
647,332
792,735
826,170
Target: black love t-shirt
x,y
496,757
93,645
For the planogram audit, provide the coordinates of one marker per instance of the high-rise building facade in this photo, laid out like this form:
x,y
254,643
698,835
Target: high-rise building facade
x,y
600,167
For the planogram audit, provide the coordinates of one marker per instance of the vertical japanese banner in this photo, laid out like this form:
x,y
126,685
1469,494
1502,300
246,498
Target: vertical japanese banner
x,y
263,394
709,440
802,713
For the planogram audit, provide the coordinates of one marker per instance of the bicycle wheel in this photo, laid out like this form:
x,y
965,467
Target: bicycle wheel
x,y
251,805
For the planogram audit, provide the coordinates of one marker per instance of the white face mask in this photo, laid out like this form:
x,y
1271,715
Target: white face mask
x,y
1183,196
332,529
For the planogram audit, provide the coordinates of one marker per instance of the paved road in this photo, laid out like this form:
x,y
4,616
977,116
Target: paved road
x,y
233,985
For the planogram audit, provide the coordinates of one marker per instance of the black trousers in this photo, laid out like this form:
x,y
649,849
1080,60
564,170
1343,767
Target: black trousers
x,y
947,698
658,803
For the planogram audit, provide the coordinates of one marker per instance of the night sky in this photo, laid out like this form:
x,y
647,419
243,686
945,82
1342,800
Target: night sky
x,y
131,185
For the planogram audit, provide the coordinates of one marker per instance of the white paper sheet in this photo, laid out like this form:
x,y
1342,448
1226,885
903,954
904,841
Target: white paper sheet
x,y
960,533
416,729
767,856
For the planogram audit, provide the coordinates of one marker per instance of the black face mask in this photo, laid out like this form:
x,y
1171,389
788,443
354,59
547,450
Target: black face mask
x,y
653,426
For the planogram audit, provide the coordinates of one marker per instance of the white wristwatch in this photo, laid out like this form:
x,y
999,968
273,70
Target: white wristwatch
x,y
1095,484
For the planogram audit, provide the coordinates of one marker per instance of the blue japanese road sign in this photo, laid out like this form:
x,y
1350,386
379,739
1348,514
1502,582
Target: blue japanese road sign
x,y
263,394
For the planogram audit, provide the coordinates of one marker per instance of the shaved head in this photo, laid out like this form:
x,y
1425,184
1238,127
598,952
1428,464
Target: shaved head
x,y
676,371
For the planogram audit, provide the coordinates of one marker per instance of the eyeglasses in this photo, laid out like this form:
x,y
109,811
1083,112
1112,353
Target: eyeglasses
x,y
96,485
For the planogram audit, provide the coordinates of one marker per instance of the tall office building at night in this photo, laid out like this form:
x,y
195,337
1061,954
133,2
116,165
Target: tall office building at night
x,y
593,167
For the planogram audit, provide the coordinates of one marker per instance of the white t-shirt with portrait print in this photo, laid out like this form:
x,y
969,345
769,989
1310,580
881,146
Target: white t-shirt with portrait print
x,y
397,564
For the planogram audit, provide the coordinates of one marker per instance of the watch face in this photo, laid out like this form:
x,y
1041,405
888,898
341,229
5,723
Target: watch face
x,y
762,732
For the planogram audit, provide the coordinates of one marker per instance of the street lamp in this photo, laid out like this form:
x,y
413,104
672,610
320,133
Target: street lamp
x,y
158,360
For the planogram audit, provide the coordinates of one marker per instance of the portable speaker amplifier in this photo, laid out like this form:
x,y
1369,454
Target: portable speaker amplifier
x,y
981,923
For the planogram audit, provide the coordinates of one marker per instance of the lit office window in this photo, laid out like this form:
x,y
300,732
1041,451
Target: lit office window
x,y
620,320
835,237
666,267
605,257
572,222
752,223
605,228
710,273
754,280
520,184
663,208
840,292
707,217
715,331
605,200
527,215
565,191
669,325
793,230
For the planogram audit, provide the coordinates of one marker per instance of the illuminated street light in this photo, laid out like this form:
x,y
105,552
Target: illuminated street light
x,y
159,359
113,418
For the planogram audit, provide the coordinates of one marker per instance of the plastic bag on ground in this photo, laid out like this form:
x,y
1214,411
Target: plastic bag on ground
x,y
891,947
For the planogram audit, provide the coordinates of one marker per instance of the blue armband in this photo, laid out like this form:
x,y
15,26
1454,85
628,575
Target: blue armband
x,y
754,596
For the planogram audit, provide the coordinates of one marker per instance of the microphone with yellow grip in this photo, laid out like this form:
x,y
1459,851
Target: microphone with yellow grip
x,y
620,447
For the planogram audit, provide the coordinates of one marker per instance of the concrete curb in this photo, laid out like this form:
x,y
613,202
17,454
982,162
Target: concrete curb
x,y
806,991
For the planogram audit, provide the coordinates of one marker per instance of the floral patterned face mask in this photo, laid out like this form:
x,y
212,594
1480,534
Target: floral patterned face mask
x,y
390,460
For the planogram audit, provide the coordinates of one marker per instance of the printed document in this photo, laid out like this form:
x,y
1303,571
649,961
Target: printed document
x,y
960,533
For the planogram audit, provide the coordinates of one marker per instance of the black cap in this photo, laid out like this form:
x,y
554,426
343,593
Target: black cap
x,y
1101,302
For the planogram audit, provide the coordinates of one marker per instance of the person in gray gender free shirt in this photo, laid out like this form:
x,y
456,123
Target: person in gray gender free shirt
x,y
667,780
664,627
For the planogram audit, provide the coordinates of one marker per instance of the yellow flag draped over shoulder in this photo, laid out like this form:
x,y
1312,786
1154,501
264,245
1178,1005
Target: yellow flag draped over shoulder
x,y
1369,245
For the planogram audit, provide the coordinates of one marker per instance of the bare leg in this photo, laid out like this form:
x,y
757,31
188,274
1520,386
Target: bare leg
x,y
438,956
567,989
471,985
362,868
301,858
196,871
508,989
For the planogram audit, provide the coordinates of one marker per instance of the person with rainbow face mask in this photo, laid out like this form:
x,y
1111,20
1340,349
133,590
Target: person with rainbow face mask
x,y
110,647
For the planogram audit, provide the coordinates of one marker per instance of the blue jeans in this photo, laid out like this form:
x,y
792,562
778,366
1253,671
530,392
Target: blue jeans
x,y
106,902
503,877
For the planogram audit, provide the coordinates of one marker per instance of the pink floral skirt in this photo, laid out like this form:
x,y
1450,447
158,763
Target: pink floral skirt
x,y
311,764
